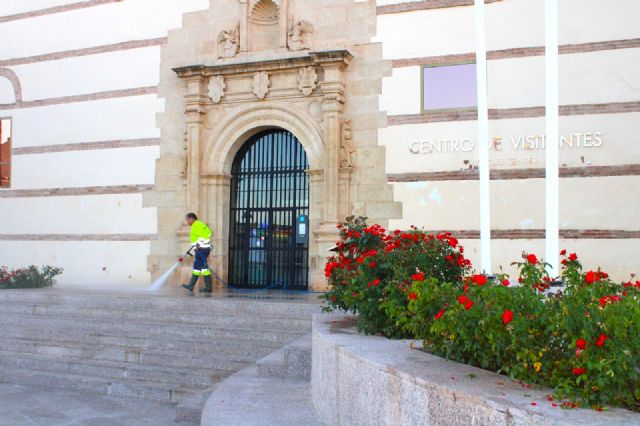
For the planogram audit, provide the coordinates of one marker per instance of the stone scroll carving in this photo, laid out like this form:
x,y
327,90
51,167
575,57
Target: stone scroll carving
x,y
216,88
229,43
307,79
261,84
298,34
347,147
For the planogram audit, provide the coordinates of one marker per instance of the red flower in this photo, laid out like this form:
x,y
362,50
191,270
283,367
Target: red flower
x,y
573,256
468,305
462,299
448,258
532,259
453,242
581,344
590,277
507,317
466,287
418,277
505,282
413,296
579,371
360,259
480,279
563,253
439,314
601,340
372,264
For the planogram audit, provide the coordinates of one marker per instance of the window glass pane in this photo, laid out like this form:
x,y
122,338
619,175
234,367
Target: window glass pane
x,y
451,86
5,152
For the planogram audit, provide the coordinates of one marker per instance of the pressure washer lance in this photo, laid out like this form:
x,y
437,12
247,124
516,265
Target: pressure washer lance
x,y
165,277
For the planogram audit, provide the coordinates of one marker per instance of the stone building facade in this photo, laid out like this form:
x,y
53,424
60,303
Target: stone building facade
x,y
308,67
126,114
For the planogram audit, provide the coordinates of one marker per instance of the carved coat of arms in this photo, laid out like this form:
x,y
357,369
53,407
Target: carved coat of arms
x,y
216,88
261,84
307,78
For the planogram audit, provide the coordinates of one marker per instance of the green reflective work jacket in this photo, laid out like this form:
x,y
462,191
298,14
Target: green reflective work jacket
x,y
201,234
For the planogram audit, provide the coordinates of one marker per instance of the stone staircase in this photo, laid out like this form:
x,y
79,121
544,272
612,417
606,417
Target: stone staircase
x,y
276,391
137,345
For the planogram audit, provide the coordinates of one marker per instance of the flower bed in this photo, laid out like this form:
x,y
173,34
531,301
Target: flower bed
x,y
583,341
30,277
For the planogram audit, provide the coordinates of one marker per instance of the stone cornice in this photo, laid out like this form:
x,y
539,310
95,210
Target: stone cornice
x,y
341,58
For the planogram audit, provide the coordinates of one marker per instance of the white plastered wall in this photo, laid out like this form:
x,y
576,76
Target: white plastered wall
x,y
121,118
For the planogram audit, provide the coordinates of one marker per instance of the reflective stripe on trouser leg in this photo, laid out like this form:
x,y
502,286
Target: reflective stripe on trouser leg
x,y
200,266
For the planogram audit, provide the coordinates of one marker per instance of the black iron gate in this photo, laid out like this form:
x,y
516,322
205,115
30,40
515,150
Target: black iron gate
x,y
268,238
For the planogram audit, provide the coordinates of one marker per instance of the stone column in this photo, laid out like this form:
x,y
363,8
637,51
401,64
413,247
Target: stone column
x,y
323,240
217,200
244,25
332,86
344,208
332,110
195,117
284,23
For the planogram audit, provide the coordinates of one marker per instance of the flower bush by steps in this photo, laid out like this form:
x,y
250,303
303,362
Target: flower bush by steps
x,y
30,277
372,272
583,341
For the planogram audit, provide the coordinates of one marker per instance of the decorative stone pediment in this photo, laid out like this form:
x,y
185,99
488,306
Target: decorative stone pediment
x,y
291,75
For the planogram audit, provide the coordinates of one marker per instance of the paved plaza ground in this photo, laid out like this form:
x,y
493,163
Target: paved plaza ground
x,y
20,405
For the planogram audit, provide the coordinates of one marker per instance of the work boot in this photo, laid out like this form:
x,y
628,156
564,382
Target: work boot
x,y
207,285
192,283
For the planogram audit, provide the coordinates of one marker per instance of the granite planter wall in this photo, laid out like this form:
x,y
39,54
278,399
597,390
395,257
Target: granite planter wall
x,y
371,380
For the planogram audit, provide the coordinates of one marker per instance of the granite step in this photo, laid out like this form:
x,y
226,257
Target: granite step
x,y
145,329
176,376
122,348
229,360
292,361
146,301
80,383
175,317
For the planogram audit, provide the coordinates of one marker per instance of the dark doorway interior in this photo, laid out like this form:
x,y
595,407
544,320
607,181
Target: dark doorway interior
x,y
268,238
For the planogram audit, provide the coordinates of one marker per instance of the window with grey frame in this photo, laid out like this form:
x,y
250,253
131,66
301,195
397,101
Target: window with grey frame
x,y
449,87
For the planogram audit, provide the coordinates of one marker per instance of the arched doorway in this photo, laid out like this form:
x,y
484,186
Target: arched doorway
x,y
269,213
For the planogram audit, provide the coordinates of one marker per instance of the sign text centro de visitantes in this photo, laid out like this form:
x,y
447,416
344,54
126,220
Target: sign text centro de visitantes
x,y
524,142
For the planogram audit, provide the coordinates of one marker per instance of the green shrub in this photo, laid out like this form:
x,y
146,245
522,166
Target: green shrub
x,y
372,270
583,341
30,277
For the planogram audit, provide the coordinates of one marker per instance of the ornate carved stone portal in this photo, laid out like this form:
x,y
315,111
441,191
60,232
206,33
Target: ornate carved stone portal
x,y
269,72
211,152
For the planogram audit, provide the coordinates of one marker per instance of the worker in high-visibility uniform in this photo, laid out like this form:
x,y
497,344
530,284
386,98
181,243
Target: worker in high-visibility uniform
x,y
201,243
